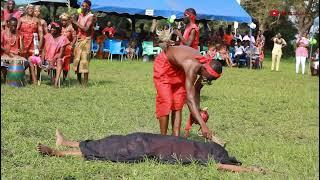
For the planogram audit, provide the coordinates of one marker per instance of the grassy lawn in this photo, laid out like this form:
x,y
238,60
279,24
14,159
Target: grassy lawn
x,y
269,119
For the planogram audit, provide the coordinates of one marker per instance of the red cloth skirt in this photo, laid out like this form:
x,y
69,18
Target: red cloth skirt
x,y
169,82
67,58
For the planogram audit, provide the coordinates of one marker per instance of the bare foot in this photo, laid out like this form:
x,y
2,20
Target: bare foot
x,y
45,150
59,138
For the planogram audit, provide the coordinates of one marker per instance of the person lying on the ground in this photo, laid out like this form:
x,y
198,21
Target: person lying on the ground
x,y
135,147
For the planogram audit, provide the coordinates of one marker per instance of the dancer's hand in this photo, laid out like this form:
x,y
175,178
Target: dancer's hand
x,y
206,133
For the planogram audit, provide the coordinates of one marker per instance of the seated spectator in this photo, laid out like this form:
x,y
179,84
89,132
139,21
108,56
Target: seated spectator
x,y
253,56
232,50
131,49
11,46
109,31
54,49
100,40
222,55
239,52
211,52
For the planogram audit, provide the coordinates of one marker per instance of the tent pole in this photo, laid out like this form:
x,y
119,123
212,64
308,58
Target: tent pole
x,y
133,24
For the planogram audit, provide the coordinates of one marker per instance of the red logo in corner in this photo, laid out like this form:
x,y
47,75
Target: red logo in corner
x,y
274,13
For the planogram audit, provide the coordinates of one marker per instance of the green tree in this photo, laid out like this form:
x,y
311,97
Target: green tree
x,y
303,13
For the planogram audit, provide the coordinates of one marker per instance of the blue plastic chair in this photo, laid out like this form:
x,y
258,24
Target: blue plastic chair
x,y
116,48
148,49
94,48
106,45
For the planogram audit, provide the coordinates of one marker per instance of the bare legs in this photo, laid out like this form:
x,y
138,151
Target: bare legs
x,y
176,117
85,79
60,141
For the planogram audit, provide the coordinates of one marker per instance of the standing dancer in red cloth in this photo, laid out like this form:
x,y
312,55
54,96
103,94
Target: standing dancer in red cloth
x,y
68,31
189,38
178,78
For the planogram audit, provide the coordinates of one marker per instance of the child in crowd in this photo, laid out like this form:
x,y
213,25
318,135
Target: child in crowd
x,y
54,49
131,49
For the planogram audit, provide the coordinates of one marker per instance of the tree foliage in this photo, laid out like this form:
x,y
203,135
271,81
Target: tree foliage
x,y
303,13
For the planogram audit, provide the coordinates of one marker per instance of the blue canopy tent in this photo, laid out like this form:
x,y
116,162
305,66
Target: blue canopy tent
x,y
226,10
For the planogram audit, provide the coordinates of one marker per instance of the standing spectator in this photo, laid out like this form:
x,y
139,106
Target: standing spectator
x,y
301,52
109,31
260,40
228,37
260,44
37,12
279,43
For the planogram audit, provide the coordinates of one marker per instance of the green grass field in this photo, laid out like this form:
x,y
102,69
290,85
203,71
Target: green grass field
x,y
269,119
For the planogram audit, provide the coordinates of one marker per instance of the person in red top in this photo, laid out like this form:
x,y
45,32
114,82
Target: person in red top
x,y
227,37
11,45
191,33
10,11
29,26
68,31
110,30
82,47
54,49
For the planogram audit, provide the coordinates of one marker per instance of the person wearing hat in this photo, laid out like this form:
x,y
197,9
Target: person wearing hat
x,y
279,43
82,47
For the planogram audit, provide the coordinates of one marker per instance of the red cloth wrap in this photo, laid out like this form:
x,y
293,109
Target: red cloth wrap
x,y
187,32
169,82
27,29
67,58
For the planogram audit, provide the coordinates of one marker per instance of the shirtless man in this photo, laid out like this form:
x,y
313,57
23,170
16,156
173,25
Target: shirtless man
x,y
179,75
